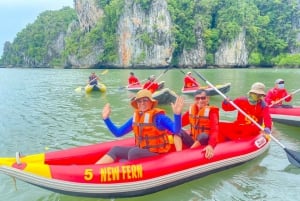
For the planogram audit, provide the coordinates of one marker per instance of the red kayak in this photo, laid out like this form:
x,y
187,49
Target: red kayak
x,y
286,115
74,172
137,87
134,88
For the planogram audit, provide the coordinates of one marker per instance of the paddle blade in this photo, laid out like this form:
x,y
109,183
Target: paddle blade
x,y
293,157
104,72
78,89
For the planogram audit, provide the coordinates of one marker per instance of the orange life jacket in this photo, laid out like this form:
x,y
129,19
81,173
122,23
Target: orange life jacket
x,y
147,136
199,120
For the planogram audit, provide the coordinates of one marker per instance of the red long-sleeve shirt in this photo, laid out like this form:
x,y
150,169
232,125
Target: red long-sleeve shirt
x,y
276,94
151,86
189,81
214,125
132,80
259,112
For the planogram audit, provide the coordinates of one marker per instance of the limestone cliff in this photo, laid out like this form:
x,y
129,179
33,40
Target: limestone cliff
x,y
156,24
133,24
149,34
233,53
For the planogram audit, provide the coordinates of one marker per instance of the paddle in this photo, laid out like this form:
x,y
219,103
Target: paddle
x,y
194,81
78,89
293,156
284,98
181,71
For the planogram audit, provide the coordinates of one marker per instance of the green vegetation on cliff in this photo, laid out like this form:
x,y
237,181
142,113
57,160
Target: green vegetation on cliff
x,y
81,43
33,42
269,25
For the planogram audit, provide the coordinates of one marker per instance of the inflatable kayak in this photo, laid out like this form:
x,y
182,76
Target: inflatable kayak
x,y
136,88
74,172
165,96
99,87
224,88
286,115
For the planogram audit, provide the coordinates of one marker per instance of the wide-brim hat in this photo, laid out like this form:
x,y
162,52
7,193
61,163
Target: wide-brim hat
x,y
258,88
142,94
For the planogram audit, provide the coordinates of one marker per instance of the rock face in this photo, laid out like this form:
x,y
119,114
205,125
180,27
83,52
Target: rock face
x,y
136,25
194,57
144,39
233,53
88,13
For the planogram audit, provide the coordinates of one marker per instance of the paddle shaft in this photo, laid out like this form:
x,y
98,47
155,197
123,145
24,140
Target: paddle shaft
x,y
238,108
284,98
158,77
93,79
102,73
195,82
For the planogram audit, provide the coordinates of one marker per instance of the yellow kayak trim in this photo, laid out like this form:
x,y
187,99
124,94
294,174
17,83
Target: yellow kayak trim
x,y
32,163
89,88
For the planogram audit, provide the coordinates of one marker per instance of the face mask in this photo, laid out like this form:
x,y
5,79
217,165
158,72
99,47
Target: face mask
x,y
252,98
280,86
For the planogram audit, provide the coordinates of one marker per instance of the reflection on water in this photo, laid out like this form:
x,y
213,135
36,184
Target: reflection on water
x,y
41,111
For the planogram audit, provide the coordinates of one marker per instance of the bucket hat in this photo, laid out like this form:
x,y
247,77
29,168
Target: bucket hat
x,y
141,94
258,88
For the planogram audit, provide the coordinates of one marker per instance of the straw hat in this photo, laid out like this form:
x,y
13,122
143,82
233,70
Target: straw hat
x,y
141,94
258,88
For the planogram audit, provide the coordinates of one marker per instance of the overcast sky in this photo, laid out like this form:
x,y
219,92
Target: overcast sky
x,y
16,14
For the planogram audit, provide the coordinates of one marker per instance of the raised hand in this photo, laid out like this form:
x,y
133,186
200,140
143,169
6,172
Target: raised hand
x,y
106,111
178,105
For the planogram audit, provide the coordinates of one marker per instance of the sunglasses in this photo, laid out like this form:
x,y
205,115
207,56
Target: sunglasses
x,y
200,98
281,82
143,100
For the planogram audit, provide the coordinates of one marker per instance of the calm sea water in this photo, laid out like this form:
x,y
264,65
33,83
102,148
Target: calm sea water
x,y
41,111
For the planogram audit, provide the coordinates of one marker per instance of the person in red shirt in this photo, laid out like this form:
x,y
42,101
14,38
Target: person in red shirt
x,y
204,124
190,81
151,84
276,93
255,107
133,80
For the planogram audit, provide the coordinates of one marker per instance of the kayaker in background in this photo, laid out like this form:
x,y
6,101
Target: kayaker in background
x,y
190,81
204,124
150,125
93,79
151,84
133,80
253,105
276,93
